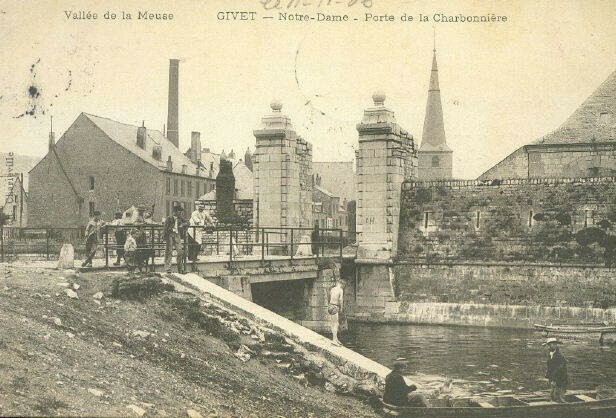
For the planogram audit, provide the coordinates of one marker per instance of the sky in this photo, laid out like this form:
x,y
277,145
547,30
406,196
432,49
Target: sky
x,y
502,84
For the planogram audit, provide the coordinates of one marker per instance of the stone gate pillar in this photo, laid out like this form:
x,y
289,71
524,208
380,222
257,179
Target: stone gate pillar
x,y
282,167
385,158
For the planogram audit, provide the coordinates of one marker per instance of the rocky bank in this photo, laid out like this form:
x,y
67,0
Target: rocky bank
x,y
104,344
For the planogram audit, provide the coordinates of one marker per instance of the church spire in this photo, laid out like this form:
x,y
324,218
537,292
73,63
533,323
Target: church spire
x,y
433,138
435,158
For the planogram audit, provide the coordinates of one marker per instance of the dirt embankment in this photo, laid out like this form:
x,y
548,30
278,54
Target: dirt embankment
x,y
69,348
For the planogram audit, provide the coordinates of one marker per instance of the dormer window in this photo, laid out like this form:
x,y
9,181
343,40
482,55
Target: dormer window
x,y
605,118
157,152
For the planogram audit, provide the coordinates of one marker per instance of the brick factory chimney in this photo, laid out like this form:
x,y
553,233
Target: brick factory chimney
x,y
195,147
172,109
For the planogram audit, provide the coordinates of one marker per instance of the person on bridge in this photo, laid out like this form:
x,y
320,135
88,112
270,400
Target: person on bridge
x,y
557,371
336,303
130,250
397,392
198,220
120,237
173,231
93,230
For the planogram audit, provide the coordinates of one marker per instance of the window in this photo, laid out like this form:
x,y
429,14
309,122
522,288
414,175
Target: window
x,y
589,218
436,162
604,118
182,186
189,193
197,190
91,206
91,182
167,208
175,187
168,187
530,219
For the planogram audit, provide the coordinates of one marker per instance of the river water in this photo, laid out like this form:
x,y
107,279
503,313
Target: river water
x,y
480,360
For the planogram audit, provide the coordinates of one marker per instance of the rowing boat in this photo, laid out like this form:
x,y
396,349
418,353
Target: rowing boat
x,y
578,330
578,405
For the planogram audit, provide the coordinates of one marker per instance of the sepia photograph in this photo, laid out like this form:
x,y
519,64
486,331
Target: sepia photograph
x,y
308,208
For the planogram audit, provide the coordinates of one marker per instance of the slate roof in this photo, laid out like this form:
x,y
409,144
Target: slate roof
x,y
593,121
126,135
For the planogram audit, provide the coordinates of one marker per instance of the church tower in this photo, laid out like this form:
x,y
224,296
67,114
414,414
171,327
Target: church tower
x,y
434,156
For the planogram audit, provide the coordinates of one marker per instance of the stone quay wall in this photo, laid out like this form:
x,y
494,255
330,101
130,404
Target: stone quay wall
x,y
497,294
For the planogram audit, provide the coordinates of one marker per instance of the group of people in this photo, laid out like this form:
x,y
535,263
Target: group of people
x,y
399,393
131,241
177,227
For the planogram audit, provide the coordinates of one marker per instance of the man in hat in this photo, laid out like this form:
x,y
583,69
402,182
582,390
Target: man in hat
x,y
92,237
173,231
120,237
397,392
557,371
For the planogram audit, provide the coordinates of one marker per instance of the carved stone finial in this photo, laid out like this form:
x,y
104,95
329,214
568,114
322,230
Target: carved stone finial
x,y
276,105
378,98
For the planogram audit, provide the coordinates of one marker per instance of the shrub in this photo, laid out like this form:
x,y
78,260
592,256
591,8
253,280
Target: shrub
x,y
589,236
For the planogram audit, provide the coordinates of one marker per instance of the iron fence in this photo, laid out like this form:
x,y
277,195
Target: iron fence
x,y
232,242
38,243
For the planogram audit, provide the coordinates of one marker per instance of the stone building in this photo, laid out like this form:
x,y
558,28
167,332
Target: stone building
x,y
435,158
282,167
336,176
385,158
329,210
583,146
101,164
105,165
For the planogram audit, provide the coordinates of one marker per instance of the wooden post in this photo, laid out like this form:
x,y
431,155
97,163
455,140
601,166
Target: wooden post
x,y
230,247
107,247
217,243
291,243
47,243
340,244
262,244
152,246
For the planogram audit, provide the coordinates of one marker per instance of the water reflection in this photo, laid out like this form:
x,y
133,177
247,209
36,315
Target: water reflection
x,y
480,359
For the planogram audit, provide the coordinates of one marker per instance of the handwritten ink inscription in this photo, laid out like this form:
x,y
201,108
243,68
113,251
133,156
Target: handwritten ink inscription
x,y
294,4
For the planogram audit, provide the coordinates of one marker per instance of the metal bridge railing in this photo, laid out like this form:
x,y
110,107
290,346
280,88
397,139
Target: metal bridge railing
x,y
232,241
